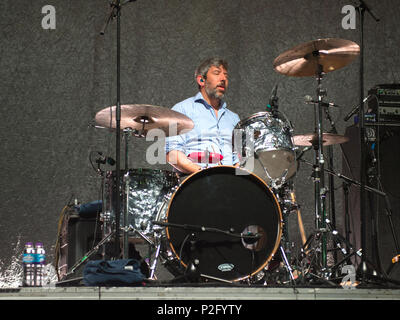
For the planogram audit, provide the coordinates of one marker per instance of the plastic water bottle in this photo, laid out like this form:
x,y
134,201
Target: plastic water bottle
x,y
28,264
40,262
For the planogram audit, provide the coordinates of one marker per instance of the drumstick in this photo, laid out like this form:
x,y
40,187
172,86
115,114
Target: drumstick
x,y
299,220
219,162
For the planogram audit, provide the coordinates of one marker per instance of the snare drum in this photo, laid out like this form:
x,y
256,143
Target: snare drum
x,y
264,145
220,199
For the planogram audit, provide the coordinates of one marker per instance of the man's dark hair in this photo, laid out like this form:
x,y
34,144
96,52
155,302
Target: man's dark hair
x,y
203,68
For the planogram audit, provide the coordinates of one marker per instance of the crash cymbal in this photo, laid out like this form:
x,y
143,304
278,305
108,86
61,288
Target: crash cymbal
x,y
144,117
303,60
310,139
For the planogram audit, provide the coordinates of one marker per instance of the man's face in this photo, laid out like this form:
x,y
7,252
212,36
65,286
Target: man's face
x,y
216,82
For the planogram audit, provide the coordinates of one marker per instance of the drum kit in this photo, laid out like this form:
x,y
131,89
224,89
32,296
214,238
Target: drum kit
x,y
225,223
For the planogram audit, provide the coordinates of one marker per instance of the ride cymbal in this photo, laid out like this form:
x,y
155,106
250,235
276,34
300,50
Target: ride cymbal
x,y
304,60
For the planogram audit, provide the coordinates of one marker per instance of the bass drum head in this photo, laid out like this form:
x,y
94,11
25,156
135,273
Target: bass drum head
x,y
227,199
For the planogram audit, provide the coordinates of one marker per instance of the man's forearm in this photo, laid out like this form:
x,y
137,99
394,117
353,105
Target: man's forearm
x,y
178,160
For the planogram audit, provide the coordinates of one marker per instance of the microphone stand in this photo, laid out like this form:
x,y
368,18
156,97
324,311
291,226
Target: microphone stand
x,y
273,102
361,9
115,11
191,227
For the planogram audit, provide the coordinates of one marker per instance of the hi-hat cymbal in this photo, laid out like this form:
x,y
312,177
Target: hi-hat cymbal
x,y
144,117
311,139
303,60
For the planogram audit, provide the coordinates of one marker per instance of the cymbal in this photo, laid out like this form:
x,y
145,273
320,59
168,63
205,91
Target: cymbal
x,y
144,117
310,139
303,60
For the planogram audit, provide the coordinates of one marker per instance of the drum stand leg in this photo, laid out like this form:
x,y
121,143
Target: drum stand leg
x,y
125,228
91,252
312,255
288,267
155,261
143,236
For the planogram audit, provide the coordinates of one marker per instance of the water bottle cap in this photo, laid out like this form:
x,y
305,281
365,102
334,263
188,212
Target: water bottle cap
x,y
29,244
39,244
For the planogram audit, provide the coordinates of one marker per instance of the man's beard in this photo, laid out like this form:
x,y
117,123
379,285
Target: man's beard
x,y
213,93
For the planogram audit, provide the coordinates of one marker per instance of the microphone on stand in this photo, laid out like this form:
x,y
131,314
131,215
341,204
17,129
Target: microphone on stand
x,y
251,238
366,7
309,100
273,101
355,109
302,152
104,159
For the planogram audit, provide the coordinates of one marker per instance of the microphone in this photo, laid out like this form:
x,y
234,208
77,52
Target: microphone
x,y
105,159
366,7
309,100
110,161
273,98
355,109
302,152
251,237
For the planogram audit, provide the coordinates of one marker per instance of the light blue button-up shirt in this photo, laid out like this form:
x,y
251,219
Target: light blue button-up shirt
x,y
209,133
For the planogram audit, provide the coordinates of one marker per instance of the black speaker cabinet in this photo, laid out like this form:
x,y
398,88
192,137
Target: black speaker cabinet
x,y
382,216
79,237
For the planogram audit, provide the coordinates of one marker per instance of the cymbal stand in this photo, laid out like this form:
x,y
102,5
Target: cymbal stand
x,y
115,11
332,206
318,172
127,227
314,251
126,180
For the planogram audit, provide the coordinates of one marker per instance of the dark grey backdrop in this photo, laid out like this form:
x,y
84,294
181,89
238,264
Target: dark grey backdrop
x,y
53,82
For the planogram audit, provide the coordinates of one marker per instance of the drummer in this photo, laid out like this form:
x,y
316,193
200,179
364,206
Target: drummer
x,y
209,143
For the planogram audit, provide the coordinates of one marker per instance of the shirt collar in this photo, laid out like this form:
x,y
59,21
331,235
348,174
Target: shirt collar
x,y
199,98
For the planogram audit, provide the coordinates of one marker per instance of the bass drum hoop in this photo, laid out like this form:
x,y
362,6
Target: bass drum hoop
x,y
245,172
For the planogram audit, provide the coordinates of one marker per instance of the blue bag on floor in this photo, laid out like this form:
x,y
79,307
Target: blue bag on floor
x,y
123,272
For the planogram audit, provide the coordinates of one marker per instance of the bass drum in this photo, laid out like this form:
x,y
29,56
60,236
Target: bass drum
x,y
228,202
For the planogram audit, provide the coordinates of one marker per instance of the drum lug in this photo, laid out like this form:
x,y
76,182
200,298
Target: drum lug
x,y
105,216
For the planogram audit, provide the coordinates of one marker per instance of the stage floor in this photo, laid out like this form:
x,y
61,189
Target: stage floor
x,y
197,293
